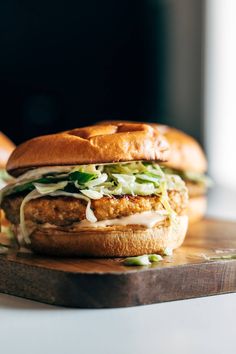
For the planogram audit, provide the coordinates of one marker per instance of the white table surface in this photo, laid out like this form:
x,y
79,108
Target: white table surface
x,y
205,325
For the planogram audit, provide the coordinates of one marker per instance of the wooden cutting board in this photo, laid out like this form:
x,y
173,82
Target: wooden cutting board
x,y
96,283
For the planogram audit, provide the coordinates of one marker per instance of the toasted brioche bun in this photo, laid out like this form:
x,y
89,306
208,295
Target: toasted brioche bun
x,y
90,145
197,208
6,148
123,241
186,153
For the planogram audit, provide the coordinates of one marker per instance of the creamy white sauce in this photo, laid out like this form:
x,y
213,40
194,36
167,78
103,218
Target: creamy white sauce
x,y
38,172
147,218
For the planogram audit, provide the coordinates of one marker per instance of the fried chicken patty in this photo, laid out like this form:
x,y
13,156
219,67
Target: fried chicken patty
x,y
64,211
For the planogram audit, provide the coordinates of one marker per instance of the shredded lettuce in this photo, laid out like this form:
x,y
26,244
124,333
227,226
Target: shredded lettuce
x,y
81,177
198,178
190,176
32,195
135,178
4,178
50,187
165,200
97,181
92,194
4,175
143,260
150,177
144,189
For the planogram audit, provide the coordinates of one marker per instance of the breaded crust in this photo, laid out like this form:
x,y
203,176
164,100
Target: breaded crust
x,y
64,211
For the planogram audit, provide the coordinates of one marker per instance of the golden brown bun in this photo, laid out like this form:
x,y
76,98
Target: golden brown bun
x,y
112,242
186,153
6,148
197,208
196,189
90,145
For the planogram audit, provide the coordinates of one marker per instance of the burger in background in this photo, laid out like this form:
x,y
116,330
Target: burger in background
x,y
6,148
96,191
187,160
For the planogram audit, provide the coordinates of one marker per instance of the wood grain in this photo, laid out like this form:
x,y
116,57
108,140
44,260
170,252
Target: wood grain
x,y
96,283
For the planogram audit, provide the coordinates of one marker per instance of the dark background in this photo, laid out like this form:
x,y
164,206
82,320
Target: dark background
x,y
64,64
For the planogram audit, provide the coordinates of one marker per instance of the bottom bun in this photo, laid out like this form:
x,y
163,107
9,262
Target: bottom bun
x,y
197,208
128,241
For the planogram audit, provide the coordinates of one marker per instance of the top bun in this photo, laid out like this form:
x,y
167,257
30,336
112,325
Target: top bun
x,y
90,145
6,148
186,153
